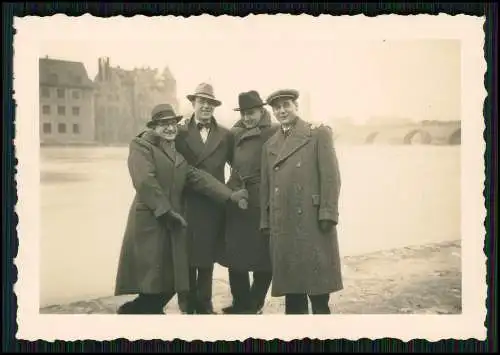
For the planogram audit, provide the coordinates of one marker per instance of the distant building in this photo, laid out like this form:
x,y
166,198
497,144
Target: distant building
x,y
66,102
124,100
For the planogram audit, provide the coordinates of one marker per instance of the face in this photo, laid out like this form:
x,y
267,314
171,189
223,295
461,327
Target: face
x,y
285,110
251,117
167,130
203,109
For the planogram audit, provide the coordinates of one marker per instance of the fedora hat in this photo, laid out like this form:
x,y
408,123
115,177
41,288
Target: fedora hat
x,y
162,113
249,100
283,93
206,91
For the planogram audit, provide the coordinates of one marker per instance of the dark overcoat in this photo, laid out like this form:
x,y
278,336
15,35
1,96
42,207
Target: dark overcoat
x,y
246,249
205,217
300,186
153,256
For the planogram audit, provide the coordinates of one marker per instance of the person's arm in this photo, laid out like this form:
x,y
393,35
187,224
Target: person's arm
x,y
329,176
143,174
204,183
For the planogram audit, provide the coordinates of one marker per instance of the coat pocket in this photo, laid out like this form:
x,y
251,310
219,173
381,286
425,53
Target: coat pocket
x,y
316,200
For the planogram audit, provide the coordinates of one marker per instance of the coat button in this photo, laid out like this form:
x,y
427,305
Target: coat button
x,y
276,190
299,211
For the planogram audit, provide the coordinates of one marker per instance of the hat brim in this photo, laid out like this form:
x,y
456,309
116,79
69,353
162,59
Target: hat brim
x,y
249,108
214,101
155,123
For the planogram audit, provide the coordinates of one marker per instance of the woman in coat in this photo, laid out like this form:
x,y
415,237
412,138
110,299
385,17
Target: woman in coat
x,y
153,261
246,249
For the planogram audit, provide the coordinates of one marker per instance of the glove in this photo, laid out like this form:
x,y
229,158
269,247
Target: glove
x,y
326,226
240,197
173,218
177,218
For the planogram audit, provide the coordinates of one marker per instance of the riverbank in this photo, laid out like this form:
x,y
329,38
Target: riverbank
x,y
423,279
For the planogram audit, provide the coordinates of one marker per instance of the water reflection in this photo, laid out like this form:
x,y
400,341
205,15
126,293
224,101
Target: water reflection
x,y
391,196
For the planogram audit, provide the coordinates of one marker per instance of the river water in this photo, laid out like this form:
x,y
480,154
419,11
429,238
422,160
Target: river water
x,y
391,196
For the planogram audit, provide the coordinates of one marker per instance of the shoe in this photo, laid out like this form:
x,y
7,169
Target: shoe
x,y
126,308
231,310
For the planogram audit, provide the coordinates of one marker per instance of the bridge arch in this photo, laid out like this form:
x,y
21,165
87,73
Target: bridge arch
x,y
425,137
456,137
371,138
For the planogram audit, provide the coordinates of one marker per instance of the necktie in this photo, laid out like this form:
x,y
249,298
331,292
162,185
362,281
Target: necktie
x,y
204,130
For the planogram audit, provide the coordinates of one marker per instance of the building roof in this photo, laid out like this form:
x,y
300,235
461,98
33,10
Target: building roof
x,y
55,72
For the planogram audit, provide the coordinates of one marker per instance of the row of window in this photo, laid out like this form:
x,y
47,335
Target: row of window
x,y
61,128
61,110
60,93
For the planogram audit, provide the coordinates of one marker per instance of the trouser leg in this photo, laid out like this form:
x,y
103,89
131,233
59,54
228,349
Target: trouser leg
x,y
187,300
261,282
319,303
204,288
239,281
296,304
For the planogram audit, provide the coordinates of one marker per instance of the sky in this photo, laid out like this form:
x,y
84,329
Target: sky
x,y
415,78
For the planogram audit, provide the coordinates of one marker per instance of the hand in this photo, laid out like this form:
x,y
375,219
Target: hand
x,y
239,195
266,232
177,218
326,226
243,204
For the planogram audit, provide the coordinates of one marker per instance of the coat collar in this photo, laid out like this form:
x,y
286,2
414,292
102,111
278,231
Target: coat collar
x,y
242,133
166,148
282,148
193,139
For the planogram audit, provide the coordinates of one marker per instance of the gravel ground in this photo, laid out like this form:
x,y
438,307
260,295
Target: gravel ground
x,y
422,279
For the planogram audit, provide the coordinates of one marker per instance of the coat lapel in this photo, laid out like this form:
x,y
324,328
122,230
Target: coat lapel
x,y
213,141
253,132
169,152
193,138
275,143
300,136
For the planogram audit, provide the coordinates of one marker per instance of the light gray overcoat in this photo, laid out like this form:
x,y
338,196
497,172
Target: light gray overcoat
x,y
300,186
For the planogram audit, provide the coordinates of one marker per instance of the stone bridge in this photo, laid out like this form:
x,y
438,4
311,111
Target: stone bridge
x,y
434,133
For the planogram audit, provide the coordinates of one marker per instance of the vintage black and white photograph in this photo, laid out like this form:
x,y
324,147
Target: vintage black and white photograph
x,y
271,176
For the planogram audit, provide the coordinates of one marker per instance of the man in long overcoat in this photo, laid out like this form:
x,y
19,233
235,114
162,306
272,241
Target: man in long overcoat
x,y
246,250
153,261
299,205
207,146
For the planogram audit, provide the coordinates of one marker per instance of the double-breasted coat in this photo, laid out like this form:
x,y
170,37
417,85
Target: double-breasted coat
x,y
246,249
153,256
300,186
205,217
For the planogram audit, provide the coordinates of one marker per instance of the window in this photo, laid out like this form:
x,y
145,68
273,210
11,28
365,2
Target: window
x,y
76,94
61,110
47,128
45,91
46,109
61,128
60,93
76,128
76,111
